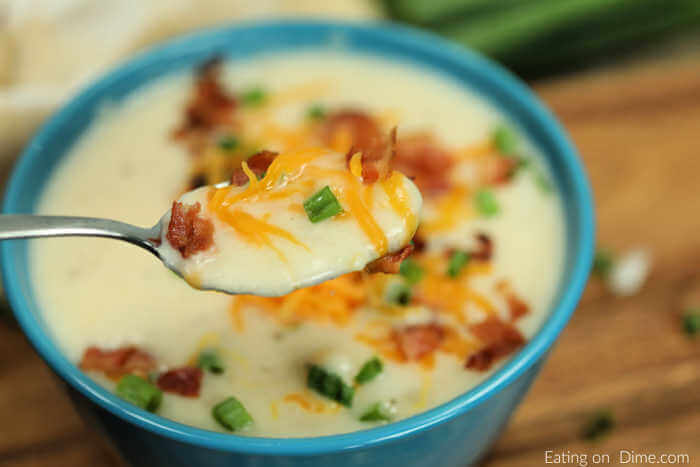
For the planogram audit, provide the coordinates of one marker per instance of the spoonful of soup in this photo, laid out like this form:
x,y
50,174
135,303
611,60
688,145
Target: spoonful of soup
x,y
283,221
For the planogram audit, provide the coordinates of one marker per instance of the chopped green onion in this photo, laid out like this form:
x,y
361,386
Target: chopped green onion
x,y
691,322
228,143
522,163
231,414
369,371
254,97
457,261
411,271
598,425
330,385
316,112
603,263
377,412
543,182
399,294
486,203
210,361
505,140
139,392
322,205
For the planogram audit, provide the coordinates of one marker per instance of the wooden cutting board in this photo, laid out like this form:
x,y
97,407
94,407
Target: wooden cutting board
x,y
638,131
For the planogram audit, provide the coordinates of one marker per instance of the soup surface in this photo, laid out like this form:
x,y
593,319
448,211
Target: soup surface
x,y
344,355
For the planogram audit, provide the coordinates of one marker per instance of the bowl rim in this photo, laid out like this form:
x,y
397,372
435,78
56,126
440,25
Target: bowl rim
x,y
522,361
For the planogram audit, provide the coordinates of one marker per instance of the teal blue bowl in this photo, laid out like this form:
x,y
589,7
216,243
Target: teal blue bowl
x,y
458,432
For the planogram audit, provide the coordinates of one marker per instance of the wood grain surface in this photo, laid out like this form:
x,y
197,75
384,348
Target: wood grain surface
x,y
637,129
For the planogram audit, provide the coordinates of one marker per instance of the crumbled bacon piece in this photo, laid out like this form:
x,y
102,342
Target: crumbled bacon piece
x,y
364,136
184,381
376,158
485,248
517,307
421,158
257,163
419,242
500,339
210,105
497,170
197,180
418,340
361,129
187,232
118,362
391,262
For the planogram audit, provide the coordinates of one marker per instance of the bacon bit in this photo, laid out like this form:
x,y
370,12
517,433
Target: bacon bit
x,y
210,105
419,243
187,232
197,180
258,163
421,158
184,381
518,308
376,158
418,340
389,263
362,130
501,339
497,170
485,249
118,362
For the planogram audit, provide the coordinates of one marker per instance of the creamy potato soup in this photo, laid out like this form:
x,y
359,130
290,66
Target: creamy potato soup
x,y
413,330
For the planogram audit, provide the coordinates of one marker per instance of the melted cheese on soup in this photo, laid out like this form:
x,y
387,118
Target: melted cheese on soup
x,y
346,354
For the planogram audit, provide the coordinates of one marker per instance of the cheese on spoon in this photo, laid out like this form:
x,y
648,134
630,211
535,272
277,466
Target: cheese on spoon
x,y
291,220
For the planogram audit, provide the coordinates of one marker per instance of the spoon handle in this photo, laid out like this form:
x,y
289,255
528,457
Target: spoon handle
x,y
14,226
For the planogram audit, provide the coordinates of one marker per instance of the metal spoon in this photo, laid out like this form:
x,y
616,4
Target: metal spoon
x,y
14,226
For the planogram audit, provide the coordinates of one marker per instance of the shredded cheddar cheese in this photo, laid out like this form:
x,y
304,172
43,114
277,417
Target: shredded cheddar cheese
x,y
351,200
333,301
451,210
400,202
477,150
356,164
305,402
237,315
274,411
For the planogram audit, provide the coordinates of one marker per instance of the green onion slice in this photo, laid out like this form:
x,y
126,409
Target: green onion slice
x,y
322,205
603,262
231,414
486,203
691,322
254,97
505,140
316,112
399,294
457,261
330,385
411,271
228,143
209,360
139,392
377,412
369,371
598,425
